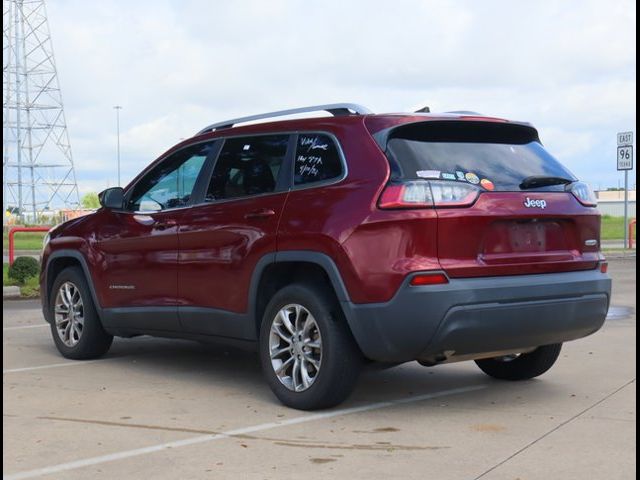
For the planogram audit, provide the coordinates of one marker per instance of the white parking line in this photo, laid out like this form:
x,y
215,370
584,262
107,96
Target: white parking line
x,y
25,326
51,365
64,467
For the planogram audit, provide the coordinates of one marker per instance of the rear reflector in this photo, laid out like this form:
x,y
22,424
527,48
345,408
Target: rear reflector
x,y
604,267
429,279
422,194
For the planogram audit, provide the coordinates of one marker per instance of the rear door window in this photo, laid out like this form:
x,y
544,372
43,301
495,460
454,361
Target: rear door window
x,y
474,152
247,166
317,159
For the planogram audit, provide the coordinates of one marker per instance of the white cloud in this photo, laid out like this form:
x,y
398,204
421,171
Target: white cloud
x,y
568,67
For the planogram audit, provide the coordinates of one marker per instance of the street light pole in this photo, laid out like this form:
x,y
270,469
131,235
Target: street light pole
x,y
117,109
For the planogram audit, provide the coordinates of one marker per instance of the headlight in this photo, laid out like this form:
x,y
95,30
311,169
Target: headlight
x,y
45,240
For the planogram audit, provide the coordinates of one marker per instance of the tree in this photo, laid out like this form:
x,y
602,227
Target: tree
x,y
90,201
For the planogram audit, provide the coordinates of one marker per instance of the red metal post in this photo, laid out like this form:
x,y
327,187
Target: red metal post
x,y
14,230
632,224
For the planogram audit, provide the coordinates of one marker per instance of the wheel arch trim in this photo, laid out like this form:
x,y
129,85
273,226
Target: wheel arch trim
x,y
79,257
323,261
299,256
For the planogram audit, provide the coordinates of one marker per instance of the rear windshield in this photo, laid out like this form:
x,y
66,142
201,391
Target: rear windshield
x,y
497,156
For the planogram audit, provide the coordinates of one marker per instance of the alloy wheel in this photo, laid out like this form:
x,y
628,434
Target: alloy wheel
x,y
69,314
295,347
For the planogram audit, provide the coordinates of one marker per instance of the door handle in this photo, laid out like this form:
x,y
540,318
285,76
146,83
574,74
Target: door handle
x,y
258,214
165,224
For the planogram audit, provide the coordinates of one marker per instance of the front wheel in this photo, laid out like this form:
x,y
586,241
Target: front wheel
x,y
76,327
308,355
523,366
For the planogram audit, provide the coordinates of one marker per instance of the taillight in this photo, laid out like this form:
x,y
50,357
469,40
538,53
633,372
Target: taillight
x,y
423,193
584,194
435,278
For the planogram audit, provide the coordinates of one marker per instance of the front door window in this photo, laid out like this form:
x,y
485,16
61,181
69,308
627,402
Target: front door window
x,y
171,183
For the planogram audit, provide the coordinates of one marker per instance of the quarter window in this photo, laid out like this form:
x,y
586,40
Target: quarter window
x,y
171,183
247,166
317,159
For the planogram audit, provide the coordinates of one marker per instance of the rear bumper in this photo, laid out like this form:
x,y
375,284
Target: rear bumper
x,y
479,315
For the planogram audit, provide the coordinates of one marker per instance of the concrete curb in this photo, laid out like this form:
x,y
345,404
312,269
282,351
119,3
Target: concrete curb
x,y
10,292
19,253
620,255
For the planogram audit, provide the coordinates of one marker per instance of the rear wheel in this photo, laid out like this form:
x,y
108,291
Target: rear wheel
x,y
308,355
523,366
76,328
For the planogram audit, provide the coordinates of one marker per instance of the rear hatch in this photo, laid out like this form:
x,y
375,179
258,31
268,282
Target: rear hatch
x,y
505,206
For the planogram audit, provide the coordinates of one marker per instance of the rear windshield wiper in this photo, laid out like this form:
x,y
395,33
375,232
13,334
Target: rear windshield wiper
x,y
536,181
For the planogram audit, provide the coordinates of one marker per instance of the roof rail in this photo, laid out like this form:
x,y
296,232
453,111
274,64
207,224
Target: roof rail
x,y
335,109
464,112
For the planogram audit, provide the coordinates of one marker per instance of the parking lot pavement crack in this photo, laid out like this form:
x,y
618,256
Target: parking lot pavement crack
x,y
384,447
278,441
129,425
555,429
381,446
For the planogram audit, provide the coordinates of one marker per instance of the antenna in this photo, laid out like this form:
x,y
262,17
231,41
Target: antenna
x,y
37,165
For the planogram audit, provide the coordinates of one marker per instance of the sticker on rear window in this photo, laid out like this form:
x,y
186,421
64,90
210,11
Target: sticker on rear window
x,y
460,176
487,184
472,178
428,173
448,176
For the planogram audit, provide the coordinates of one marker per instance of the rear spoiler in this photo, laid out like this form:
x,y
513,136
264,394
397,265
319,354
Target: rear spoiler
x,y
457,130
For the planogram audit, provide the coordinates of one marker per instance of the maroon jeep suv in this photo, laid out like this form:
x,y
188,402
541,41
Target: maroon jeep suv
x,y
329,242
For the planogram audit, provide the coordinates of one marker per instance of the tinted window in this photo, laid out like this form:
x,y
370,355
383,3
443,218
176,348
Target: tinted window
x,y
503,154
317,159
170,184
247,166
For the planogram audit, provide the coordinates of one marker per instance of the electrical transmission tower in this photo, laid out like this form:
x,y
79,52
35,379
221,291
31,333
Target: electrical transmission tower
x,y
38,171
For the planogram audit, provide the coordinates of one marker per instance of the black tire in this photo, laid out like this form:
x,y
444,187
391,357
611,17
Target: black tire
x,y
341,358
93,341
523,367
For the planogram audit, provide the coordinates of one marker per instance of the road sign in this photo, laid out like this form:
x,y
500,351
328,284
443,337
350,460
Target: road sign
x,y
625,157
625,163
625,139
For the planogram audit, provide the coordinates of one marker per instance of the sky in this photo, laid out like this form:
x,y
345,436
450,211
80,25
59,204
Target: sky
x,y
568,67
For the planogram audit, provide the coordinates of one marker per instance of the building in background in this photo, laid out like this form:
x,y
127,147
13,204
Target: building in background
x,y
611,202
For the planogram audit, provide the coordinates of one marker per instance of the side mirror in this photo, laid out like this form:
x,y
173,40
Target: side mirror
x,y
112,198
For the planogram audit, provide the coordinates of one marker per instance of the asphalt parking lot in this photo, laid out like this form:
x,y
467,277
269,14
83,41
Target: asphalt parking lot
x,y
166,409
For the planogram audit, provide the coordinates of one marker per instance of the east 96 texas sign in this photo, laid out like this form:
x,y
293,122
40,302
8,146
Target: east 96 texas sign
x,y
625,151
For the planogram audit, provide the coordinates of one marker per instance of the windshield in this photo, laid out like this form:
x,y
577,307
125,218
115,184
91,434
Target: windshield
x,y
495,156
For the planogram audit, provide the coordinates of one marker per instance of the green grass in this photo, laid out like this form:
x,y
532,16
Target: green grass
x,y
24,240
5,275
612,228
31,288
